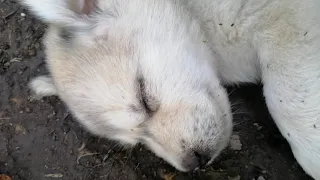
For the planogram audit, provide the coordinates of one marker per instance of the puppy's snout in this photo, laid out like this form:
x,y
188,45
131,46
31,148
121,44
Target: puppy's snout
x,y
202,159
196,160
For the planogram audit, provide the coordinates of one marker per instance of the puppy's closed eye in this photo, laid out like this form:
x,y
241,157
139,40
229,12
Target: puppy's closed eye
x,y
148,101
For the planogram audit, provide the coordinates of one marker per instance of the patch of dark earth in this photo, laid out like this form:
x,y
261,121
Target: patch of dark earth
x,y
41,140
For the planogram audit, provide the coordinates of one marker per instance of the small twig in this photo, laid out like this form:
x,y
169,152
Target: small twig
x,y
136,167
220,170
65,137
66,116
105,157
75,134
10,41
84,155
98,165
10,14
51,132
59,175
16,60
5,118
82,147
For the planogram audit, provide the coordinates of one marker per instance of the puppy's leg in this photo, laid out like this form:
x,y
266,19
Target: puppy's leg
x,y
42,86
291,80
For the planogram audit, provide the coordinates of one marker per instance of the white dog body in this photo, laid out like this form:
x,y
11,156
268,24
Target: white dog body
x,y
176,51
278,43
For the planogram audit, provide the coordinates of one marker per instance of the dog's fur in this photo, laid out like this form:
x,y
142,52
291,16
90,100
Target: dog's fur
x,y
149,70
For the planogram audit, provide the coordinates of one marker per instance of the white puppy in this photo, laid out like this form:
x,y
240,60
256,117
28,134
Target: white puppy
x,y
148,70
137,71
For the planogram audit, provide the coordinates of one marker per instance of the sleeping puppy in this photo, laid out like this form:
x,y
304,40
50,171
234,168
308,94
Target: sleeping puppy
x,y
136,72
151,71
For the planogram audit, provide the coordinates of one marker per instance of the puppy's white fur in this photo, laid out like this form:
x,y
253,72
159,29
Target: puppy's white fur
x,y
276,42
43,86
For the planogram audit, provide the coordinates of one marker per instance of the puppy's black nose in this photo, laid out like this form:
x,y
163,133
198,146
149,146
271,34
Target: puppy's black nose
x,y
195,160
202,158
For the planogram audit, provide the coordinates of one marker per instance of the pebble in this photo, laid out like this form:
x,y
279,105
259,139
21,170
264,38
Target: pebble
x,y
31,52
261,178
52,114
7,64
28,110
235,143
23,14
257,126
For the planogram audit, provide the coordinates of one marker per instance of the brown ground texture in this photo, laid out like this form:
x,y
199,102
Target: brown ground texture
x,y
41,140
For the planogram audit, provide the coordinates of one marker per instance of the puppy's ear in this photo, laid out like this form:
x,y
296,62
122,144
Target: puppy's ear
x,y
63,12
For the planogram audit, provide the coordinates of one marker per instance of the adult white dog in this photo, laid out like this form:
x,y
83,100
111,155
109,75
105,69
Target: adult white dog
x,y
150,70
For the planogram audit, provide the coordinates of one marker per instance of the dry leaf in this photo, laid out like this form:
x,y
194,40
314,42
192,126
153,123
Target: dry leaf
x,y
4,177
168,176
20,129
17,101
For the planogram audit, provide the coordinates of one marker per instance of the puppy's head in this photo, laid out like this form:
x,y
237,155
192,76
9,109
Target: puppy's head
x,y
137,72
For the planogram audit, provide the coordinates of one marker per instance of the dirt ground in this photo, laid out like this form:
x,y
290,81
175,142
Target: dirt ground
x,y
40,140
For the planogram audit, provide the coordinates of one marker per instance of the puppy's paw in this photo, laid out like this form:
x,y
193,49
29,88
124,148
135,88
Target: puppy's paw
x,y
42,86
